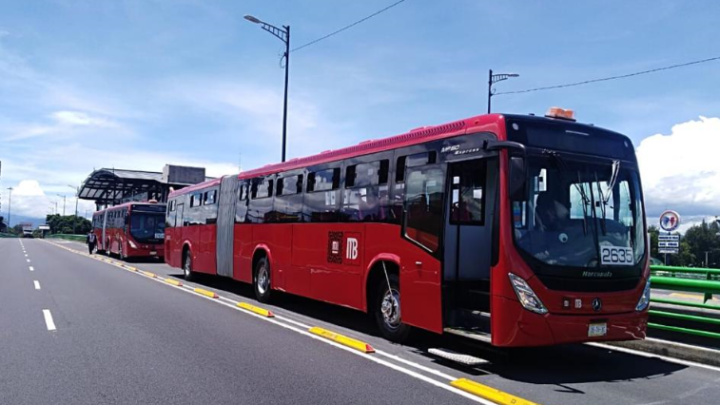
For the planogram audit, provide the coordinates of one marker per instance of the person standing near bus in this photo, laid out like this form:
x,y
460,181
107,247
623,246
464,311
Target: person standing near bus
x,y
91,241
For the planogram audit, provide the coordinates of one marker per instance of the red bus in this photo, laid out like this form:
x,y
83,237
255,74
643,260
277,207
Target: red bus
x,y
132,229
509,229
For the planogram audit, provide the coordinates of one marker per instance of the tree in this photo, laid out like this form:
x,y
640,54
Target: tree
x,y
66,224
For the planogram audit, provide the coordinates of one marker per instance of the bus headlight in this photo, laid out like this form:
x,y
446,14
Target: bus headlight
x,y
644,298
132,245
526,295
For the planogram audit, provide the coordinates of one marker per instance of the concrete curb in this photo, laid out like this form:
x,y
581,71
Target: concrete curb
x,y
676,350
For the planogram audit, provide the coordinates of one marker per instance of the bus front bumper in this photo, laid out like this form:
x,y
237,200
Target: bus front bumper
x,y
531,329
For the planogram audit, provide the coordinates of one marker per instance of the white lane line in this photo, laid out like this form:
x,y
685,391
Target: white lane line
x,y
48,319
26,255
37,284
32,268
656,356
28,260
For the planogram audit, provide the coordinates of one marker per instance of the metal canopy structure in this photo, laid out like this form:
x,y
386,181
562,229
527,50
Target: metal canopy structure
x,y
109,187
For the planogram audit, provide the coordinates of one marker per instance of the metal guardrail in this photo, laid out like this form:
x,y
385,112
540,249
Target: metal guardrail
x,y
7,235
686,279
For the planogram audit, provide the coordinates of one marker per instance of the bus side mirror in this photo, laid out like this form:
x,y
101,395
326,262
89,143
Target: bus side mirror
x,y
517,178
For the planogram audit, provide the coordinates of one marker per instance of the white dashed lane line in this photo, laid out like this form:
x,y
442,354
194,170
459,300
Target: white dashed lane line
x,y
37,284
49,320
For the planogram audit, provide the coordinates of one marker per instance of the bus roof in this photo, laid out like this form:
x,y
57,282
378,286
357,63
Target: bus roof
x,y
127,204
489,122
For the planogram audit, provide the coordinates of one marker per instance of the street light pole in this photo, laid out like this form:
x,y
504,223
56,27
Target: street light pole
x,y
10,189
77,198
494,78
63,197
282,34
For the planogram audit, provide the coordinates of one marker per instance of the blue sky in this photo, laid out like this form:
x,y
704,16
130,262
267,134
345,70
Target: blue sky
x,y
140,83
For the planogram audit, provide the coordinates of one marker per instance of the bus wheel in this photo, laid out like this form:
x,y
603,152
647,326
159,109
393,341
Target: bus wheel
x,y
261,281
387,310
187,267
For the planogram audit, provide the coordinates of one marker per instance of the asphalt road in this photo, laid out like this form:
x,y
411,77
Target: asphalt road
x,y
121,337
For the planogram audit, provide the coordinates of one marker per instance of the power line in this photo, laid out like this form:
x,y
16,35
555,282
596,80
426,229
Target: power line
x,y
604,79
347,27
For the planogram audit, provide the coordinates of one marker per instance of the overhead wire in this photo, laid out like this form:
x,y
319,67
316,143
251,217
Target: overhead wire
x,y
604,79
347,26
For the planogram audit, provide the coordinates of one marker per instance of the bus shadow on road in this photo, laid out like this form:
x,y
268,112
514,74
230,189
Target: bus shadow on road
x,y
573,364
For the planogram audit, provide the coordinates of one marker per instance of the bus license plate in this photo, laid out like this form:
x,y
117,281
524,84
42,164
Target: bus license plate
x,y
153,253
597,329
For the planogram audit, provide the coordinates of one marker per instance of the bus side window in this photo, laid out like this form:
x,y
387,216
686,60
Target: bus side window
x,y
321,200
424,198
242,206
261,202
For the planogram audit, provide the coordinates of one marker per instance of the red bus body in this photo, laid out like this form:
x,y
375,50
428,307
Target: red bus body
x,y
117,230
335,261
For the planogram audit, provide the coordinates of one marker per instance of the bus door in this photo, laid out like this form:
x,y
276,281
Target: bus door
x,y
468,239
226,226
177,242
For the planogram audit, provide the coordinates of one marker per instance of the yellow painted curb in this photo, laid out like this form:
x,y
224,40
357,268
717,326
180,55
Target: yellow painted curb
x,y
173,282
147,273
257,310
206,293
489,393
343,340
131,268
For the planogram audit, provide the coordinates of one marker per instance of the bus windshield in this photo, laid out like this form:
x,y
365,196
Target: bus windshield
x,y
580,213
147,228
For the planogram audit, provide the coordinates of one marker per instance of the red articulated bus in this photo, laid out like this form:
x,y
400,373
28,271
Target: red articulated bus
x,y
514,230
132,229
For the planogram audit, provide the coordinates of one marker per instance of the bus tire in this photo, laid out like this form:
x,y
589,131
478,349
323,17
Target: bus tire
x,y
261,280
187,267
386,309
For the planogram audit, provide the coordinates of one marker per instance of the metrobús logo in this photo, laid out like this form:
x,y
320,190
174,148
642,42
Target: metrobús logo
x,y
344,247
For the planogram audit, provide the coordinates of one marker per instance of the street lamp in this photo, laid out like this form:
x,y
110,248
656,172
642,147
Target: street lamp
x,y
10,189
494,78
63,197
282,34
77,199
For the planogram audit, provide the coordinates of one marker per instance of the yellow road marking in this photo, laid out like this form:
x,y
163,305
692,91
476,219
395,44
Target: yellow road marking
x,y
489,393
147,273
173,282
343,340
206,293
257,310
131,268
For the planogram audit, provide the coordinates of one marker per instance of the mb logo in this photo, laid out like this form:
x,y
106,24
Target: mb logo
x,y
351,249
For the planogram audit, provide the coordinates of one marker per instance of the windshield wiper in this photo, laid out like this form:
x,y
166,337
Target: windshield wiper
x,y
603,200
614,175
561,168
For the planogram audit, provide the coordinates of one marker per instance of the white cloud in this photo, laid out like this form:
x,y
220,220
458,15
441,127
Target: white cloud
x,y
66,124
681,170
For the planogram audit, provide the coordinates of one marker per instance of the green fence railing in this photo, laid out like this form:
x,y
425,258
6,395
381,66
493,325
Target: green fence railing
x,y
7,235
77,238
686,279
